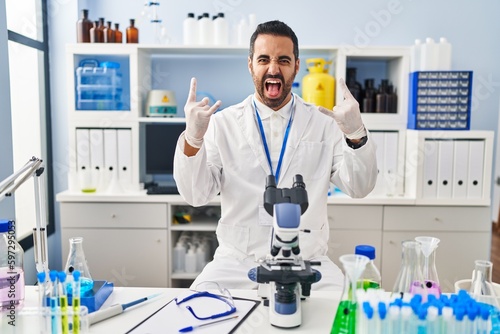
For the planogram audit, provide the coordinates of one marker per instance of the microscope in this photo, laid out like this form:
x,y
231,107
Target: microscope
x,y
287,277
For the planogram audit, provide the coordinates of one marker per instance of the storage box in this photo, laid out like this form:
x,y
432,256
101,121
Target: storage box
x,y
98,86
440,100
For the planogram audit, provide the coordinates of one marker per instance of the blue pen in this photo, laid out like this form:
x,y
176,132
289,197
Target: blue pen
x,y
190,328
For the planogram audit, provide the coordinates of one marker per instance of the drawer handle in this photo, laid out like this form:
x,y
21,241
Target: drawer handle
x,y
438,219
158,241
113,215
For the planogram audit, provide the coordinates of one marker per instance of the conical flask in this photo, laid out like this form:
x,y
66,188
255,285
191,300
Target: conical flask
x,y
410,278
428,246
481,287
77,261
345,319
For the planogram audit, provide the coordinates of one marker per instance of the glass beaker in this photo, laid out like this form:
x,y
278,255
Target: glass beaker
x,y
428,246
345,319
410,278
77,261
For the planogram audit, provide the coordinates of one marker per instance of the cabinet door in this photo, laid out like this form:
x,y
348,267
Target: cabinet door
x,y
455,255
126,257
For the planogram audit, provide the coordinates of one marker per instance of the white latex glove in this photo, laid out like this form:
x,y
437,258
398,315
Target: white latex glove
x,y
347,114
197,116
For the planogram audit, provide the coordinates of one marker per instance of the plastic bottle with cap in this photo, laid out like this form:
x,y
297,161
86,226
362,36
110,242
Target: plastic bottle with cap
x,y
429,57
416,51
221,30
370,279
179,257
444,50
191,260
205,30
190,30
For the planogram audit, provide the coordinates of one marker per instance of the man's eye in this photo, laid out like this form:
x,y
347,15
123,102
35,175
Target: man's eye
x,y
263,61
284,61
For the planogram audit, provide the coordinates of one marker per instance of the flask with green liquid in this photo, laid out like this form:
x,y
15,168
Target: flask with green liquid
x,y
345,318
370,278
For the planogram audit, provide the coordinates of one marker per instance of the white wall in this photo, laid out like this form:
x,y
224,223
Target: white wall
x,y
316,22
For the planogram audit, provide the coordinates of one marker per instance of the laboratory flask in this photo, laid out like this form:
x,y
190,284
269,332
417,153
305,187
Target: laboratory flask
x,y
11,266
410,278
481,284
370,278
428,245
318,87
345,319
77,261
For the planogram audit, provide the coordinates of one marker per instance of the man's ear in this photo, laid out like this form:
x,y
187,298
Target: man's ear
x,y
250,65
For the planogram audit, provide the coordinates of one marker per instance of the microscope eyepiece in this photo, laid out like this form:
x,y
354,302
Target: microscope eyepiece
x,y
298,182
270,181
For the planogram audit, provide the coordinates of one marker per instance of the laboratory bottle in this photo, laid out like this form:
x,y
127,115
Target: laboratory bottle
x,y
318,87
415,54
369,96
410,278
83,26
481,283
132,33
190,30
100,28
11,267
428,245
221,30
429,57
370,278
242,32
118,34
354,86
391,103
179,257
381,97
191,258
77,261
205,30
444,50
345,318
96,34
200,258
108,33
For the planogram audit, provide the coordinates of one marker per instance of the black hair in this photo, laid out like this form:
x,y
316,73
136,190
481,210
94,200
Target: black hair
x,y
276,28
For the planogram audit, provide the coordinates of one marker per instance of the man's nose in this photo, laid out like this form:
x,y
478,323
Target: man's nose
x,y
274,67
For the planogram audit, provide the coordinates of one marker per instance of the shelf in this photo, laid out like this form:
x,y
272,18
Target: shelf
x,y
201,226
162,120
190,276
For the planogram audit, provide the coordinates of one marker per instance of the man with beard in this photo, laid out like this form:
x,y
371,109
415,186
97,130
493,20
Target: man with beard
x,y
271,132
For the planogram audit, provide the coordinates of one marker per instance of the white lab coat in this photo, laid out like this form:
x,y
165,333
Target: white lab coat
x,y
232,162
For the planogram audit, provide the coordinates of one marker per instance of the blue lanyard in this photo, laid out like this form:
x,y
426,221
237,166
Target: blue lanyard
x,y
285,139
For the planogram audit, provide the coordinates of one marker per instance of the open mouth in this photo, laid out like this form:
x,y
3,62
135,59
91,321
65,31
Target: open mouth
x,y
273,87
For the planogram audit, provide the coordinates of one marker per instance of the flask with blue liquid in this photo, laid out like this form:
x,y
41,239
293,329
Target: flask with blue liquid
x,y
77,261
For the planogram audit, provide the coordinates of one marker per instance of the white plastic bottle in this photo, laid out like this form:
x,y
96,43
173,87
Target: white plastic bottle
x,y
416,50
221,30
444,48
205,30
190,30
242,33
429,60
200,258
191,260
179,257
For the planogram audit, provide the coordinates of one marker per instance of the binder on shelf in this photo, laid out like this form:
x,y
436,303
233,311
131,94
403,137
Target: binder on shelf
x,y
124,137
430,164
379,138
476,168
97,154
110,156
445,169
391,162
460,166
82,149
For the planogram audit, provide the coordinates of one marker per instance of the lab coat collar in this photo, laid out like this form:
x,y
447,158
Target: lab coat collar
x,y
250,129
265,111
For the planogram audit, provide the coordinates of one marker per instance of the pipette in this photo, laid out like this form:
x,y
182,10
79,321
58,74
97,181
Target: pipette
x,y
116,309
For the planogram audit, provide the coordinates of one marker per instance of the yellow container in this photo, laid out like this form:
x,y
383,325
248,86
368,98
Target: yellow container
x,y
318,87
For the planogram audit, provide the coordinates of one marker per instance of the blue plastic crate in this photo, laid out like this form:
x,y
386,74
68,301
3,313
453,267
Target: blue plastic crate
x,y
440,100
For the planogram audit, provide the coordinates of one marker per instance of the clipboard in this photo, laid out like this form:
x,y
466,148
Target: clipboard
x,y
171,317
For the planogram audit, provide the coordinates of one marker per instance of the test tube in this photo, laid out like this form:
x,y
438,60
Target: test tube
x,y
54,302
76,301
63,301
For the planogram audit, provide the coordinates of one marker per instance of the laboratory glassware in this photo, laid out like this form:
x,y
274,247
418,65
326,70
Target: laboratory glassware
x,y
11,266
108,33
481,284
118,34
345,319
370,278
83,26
132,33
428,245
77,261
410,278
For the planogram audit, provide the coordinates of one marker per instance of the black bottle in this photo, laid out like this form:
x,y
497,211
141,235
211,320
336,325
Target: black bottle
x,y
369,96
354,87
392,100
381,98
